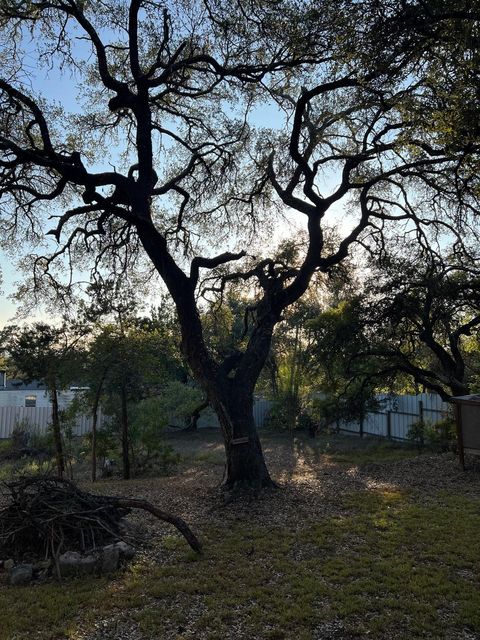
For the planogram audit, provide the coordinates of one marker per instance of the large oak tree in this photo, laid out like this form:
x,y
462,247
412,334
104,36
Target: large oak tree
x,y
170,94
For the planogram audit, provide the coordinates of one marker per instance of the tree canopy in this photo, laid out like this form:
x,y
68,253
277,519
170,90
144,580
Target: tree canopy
x,y
162,153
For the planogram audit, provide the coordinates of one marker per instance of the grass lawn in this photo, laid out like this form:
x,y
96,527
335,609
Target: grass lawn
x,y
363,540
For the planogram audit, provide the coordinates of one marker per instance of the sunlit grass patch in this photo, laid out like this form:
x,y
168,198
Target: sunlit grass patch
x,y
348,449
374,451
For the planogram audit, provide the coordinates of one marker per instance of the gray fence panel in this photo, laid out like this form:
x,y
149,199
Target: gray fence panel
x,y
404,411
37,419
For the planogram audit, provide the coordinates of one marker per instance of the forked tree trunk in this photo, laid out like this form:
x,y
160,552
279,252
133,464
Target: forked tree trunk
x,y
245,464
231,397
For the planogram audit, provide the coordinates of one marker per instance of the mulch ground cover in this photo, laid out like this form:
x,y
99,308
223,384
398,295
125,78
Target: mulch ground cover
x,y
361,540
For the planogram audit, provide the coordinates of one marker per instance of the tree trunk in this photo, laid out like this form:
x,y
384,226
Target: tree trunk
x,y
96,404
57,433
124,425
245,465
230,397
94,439
195,417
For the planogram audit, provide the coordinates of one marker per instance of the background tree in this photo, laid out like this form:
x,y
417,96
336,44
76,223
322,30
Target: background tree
x,y
349,376
178,86
422,313
128,363
50,355
415,321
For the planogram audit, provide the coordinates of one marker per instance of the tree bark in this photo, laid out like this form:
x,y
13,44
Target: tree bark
x,y
124,426
96,404
57,433
245,465
94,439
181,525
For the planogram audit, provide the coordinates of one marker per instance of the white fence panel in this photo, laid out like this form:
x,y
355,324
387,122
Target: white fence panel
x,y
38,419
400,423
375,424
84,424
261,409
395,417
350,427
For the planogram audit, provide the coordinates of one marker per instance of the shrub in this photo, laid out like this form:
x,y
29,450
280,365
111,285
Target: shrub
x,y
5,449
148,420
106,445
283,413
438,436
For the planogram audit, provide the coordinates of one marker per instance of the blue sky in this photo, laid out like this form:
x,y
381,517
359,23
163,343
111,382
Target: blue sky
x,y
54,85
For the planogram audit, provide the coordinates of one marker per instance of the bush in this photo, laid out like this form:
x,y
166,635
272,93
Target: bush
x,y
283,413
42,443
106,446
21,436
438,436
6,449
148,420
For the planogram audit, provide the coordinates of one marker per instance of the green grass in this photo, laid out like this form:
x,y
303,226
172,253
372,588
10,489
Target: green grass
x,y
351,450
377,452
385,564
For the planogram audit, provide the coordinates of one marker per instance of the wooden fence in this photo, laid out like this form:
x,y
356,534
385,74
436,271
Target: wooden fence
x,y
397,414
392,420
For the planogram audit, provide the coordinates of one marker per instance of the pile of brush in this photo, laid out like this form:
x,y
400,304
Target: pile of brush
x,y
44,516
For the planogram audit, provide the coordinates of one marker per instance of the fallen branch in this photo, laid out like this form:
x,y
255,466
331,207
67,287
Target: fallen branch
x,y
181,525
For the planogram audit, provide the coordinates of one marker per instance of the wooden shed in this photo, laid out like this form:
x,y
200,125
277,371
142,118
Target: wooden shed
x,y
467,415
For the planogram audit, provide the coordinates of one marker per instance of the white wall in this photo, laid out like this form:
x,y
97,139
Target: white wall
x,y
38,419
16,398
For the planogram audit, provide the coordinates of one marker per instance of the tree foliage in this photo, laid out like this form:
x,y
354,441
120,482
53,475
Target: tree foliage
x,y
52,356
423,318
163,157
